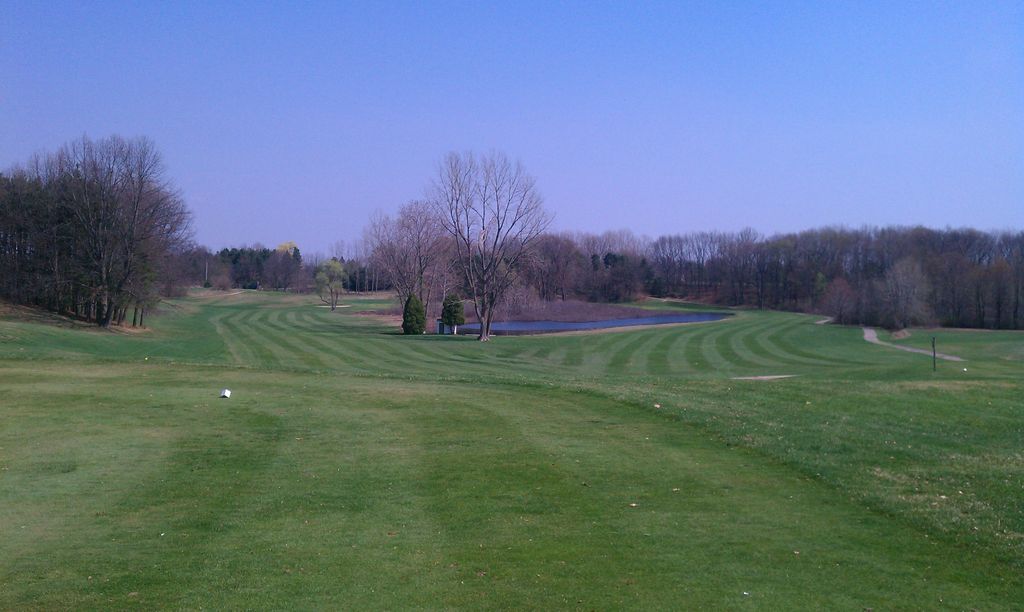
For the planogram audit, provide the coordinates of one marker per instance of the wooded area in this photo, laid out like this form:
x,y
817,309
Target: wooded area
x,y
87,230
893,277
94,230
491,238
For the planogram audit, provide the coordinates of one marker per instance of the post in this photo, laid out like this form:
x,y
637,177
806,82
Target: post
x,y
933,353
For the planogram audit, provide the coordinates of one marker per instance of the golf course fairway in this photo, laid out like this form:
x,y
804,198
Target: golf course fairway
x,y
356,468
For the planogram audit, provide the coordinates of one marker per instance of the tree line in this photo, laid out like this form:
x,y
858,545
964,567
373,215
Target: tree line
x,y
94,230
284,268
890,276
481,232
88,230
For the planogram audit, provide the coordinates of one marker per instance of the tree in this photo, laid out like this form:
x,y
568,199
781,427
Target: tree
x,y
247,265
89,229
493,210
414,318
839,301
411,249
903,290
555,267
128,214
330,282
282,267
452,313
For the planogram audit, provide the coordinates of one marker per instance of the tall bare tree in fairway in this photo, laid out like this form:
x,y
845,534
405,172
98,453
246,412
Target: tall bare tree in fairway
x,y
492,208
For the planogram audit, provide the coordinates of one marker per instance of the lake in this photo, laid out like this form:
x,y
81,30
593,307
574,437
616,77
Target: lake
x,y
542,327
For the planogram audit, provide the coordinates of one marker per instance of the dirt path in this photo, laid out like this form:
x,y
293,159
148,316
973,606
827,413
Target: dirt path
x,y
771,377
824,321
871,335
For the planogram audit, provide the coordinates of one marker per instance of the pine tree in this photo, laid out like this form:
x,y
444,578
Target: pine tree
x,y
414,318
452,313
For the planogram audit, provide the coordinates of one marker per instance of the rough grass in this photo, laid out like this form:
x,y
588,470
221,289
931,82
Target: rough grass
x,y
356,467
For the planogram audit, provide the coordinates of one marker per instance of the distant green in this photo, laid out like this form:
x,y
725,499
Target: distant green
x,y
354,467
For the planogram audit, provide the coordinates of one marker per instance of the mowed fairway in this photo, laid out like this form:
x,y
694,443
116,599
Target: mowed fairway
x,y
356,468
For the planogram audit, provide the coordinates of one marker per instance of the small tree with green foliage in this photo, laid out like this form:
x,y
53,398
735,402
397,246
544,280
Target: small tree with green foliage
x,y
330,282
414,317
452,313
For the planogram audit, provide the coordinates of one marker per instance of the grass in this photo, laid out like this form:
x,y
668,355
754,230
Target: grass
x,y
356,467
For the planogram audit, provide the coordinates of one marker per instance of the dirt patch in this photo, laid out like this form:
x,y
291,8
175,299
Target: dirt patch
x,y
214,293
129,330
383,318
768,377
686,302
824,321
901,334
26,314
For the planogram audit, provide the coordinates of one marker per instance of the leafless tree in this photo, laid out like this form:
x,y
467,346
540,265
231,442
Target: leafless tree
x,y
493,210
555,267
839,301
127,213
668,256
903,291
411,249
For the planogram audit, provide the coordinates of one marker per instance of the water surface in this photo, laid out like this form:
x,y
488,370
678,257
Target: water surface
x,y
541,327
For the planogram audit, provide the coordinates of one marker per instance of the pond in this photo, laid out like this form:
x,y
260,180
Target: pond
x,y
543,327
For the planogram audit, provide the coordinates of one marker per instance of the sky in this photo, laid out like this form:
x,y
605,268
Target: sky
x,y
298,120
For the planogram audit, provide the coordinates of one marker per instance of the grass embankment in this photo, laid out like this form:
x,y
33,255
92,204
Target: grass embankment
x,y
356,467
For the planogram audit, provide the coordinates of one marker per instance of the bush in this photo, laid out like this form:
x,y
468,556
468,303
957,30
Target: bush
x,y
452,313
414,318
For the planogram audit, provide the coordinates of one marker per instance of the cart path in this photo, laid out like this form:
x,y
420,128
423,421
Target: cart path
x,y
871,335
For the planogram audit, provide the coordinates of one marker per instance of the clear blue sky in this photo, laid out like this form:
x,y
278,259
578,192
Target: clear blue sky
x,y
295,120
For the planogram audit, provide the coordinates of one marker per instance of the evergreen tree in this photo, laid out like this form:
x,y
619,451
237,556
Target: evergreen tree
x,y
414,318
452,313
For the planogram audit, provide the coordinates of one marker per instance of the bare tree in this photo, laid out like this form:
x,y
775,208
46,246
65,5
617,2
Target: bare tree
x,y
668,256
554,267
839,301
128,216
339,250
903,291
493,210
411,249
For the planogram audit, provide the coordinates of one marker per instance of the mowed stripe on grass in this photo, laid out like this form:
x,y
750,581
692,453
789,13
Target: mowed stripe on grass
x,y
400,496
356,465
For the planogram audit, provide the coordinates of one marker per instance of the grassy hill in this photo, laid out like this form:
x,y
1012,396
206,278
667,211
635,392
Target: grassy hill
x,y
356,467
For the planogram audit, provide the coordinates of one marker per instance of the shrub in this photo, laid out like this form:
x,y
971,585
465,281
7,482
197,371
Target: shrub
x,y
414,318
452,313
